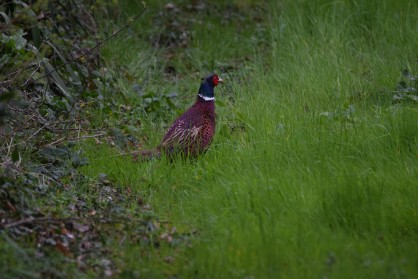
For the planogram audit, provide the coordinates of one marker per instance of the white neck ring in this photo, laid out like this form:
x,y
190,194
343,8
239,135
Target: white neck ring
x,y
206,98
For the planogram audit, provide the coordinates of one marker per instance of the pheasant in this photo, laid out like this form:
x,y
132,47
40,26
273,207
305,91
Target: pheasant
x,y
191,133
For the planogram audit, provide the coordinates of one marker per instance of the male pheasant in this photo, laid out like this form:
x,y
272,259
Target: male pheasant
x,y
191,133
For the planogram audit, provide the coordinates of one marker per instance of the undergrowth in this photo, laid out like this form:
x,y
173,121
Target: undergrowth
x,y
312,171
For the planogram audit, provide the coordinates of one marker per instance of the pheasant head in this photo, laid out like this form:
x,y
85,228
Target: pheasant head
x,y
206,90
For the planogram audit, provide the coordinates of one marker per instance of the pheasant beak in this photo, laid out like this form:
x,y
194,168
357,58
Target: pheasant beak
x,y
220,80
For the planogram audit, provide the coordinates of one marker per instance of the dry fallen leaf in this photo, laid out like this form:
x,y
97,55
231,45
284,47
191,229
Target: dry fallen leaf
x,y
81,227
63,249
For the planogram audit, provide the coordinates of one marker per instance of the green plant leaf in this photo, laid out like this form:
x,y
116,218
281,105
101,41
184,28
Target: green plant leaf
x,y
6,18
58,81
77,160
15,41
6,96
55,154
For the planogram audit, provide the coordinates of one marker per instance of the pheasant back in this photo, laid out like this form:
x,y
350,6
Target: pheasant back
x,y
191,133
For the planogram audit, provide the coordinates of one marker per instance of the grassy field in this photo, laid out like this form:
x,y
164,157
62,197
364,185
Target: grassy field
x,y
313,171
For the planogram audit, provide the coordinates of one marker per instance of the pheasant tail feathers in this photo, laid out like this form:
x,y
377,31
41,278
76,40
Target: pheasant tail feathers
x,y
145,155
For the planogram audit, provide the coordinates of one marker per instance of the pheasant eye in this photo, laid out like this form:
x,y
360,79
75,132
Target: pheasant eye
x,y
215,80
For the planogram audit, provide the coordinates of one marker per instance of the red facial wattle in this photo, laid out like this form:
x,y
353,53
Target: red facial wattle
x,y
215,80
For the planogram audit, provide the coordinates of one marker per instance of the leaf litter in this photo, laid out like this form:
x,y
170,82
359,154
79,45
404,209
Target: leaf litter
x,y
81,233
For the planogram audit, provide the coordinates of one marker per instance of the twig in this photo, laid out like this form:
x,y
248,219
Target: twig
x,y
29,220
17,223
76,138
34,134
92,49
34,72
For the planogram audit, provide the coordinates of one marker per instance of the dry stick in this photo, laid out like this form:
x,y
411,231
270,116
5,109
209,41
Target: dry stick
x,y
76,138
94,48
55,142
118,219
60,220
37,132
34,72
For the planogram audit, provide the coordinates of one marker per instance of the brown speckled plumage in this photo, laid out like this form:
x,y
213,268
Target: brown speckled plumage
x,y
191,134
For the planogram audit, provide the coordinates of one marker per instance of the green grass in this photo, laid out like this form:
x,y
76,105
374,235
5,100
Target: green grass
x,y
321,181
